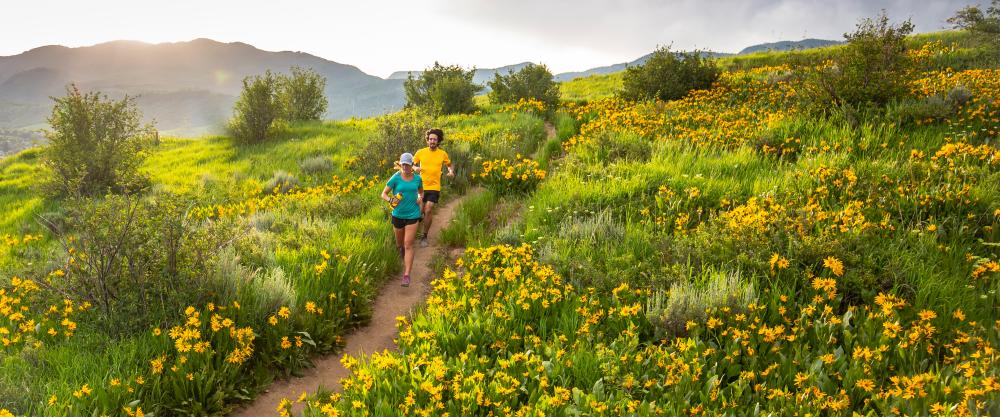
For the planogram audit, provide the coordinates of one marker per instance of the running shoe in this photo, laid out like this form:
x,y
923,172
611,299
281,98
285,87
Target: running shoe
x,y
406,280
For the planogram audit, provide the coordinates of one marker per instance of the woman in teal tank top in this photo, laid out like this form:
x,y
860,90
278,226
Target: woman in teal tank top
x,y
405,189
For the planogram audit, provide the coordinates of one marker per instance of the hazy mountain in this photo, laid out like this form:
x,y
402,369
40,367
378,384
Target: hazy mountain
x,y
566,76
185,86
789,45
775,46
189,88
12,141
481,76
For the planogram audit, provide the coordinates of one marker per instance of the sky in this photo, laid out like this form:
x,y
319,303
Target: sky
x,y
383,36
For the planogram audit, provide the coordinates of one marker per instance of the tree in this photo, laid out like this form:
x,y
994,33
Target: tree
x,y
136,259
872,69
301,95
668,76
531,82
257,110
96,144
874,65
443,89
973,19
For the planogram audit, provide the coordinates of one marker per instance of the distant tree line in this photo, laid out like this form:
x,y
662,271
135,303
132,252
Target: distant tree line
x,y
12,141
449,89
985,24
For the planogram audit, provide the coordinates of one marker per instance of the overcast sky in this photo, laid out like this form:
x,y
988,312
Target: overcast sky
x,y
382,36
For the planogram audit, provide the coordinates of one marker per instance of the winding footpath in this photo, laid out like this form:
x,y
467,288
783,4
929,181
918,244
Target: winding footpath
x,y
393,300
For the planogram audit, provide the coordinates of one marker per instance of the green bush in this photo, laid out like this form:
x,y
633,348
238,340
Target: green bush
x,y
137,261
96,144
442,89
531,82
394,134
668,76
268,102
257,111
301,96
872,69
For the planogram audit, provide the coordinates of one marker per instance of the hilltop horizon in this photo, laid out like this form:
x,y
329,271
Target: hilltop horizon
x,y
777,45
399,36
188,88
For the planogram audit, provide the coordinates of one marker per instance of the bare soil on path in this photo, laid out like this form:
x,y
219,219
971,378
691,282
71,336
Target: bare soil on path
x,y
393,300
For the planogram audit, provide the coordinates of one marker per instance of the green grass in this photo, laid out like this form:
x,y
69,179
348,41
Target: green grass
x,y
608,213
471,223
274,252
969,53
183,165
591,88
20,193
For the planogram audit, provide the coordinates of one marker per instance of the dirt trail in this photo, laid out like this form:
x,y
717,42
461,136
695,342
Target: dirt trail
x,y
550,130
393,300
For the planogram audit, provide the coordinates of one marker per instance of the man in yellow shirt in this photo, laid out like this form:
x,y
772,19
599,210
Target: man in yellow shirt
x,y
430,160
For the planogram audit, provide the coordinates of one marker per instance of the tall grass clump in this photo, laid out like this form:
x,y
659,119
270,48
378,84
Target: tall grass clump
x,y
689,300
280,183
316,165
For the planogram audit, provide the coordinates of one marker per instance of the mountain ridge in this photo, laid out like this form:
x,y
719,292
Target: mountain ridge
x,y
188,87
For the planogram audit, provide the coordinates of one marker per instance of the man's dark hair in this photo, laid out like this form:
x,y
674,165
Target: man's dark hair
x,y
436,131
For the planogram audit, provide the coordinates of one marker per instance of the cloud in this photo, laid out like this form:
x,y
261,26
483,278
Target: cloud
x,y
638,26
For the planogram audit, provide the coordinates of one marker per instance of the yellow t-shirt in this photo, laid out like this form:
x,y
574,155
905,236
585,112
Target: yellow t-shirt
x,y
431,164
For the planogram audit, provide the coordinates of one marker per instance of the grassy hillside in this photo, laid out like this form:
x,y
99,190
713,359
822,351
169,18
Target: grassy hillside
x,y
590,88
966,51
295,271
727,253
723,254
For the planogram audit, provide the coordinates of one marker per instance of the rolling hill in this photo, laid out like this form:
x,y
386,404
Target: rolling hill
x,y
184,85
188,88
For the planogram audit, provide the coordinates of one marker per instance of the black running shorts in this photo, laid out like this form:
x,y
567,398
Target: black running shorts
x,y
401,223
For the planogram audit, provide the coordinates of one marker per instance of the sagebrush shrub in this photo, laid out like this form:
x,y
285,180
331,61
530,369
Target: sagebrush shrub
x,y
686,301
316,165
920,110
280,183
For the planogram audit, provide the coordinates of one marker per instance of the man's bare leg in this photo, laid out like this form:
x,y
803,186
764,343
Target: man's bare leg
x,y
425,224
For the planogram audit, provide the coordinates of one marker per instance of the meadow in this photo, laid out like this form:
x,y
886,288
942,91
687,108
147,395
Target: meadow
x,y
298,246
728,253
